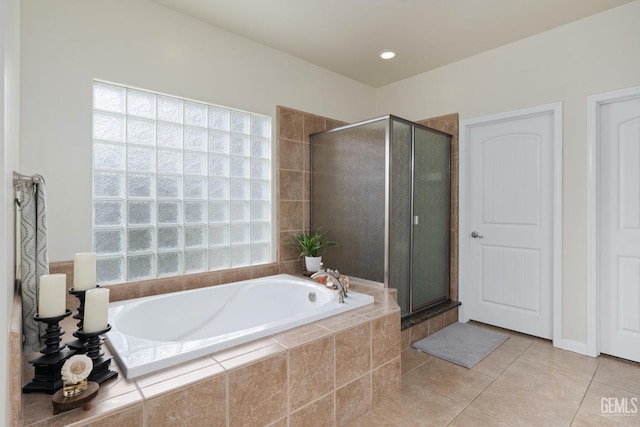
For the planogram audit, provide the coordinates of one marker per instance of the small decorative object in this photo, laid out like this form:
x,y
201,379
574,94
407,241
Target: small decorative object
x,y
75,372
311,247
62,403
47,377
93,343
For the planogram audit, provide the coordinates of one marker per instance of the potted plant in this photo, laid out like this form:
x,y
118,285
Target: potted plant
x,y
311,247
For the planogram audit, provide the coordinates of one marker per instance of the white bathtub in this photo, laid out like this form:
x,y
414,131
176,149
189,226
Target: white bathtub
x,y
152,333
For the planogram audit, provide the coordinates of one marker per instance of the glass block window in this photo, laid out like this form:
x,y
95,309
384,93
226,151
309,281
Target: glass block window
x,y
179,186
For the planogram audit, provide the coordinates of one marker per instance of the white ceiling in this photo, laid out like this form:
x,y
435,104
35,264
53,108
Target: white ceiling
x,y
345,36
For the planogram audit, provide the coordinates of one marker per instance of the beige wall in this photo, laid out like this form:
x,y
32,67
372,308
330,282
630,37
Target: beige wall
x,y
68,43
9,152
594,55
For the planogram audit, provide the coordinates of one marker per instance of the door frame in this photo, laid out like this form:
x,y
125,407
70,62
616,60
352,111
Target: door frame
x,y
555,109
594,102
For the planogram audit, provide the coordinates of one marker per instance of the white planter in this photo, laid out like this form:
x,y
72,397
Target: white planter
x,y
312,263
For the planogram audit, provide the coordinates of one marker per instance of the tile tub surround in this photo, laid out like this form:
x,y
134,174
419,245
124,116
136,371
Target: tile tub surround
x,y
307,373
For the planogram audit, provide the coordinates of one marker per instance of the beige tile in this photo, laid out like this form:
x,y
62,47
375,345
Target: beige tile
x,y
353,400
499,359
245,354
545,353
201,280
353,353
405,338
186,379
531,394
371,419
619,373
258,392
161,286
414,405
235,275
385,333
291,185
385,380
312,124
436,323
342,321
290,123
306,157
320,413
174,371
450,380
282,422
532,377
290,154
332,124
265,270
311,372
419,331
451,316
587,419
473,417
290,217
40,414
203,403
130,417
301,335
612,403
412,358
119,292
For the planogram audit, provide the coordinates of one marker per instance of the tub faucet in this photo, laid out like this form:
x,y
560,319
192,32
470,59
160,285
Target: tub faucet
x,y
342,288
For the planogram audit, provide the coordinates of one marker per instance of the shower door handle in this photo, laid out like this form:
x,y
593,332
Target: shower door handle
x,y
475,235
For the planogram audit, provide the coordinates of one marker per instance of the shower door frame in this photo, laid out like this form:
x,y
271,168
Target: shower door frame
x,y
387,200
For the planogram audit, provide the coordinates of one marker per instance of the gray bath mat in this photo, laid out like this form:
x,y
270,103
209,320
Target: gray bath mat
x,y
461,343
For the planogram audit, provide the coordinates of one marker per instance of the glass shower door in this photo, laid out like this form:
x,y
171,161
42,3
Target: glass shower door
x,y
431,206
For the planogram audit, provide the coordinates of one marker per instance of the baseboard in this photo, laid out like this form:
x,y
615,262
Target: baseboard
x,y
575,346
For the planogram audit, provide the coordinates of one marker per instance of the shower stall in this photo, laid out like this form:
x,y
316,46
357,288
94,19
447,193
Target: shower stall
x,y
381,188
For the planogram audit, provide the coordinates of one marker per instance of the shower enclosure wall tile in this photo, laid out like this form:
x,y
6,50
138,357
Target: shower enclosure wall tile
x,y
291,216
290,123
291,185
311,372
419,331
313,124
320,413
291,156
405,338
353,353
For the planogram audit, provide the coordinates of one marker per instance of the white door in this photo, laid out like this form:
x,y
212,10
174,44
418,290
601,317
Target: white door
x,y
510,224
619,237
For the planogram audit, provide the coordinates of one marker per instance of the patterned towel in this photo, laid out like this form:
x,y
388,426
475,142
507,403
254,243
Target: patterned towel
x,y
34,255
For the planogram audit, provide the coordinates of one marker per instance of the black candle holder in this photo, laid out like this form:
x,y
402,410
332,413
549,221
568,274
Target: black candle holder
x,y
78,345
93,349
48,378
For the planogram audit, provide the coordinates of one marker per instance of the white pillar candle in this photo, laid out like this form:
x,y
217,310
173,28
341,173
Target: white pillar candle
x,y
84,271
96,308
52,296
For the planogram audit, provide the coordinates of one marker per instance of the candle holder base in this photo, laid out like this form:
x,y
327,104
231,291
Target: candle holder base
x,y
48,378
93,350
61,403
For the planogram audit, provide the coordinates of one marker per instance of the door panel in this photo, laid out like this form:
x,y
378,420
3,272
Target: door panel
x,y
619,236
511,210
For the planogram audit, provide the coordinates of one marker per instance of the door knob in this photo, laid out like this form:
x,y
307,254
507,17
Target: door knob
x,y
475,235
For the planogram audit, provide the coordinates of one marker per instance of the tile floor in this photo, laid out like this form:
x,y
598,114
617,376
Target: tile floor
x,y
524,382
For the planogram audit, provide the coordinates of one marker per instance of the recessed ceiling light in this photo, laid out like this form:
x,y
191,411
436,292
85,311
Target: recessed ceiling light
x,y
387,54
